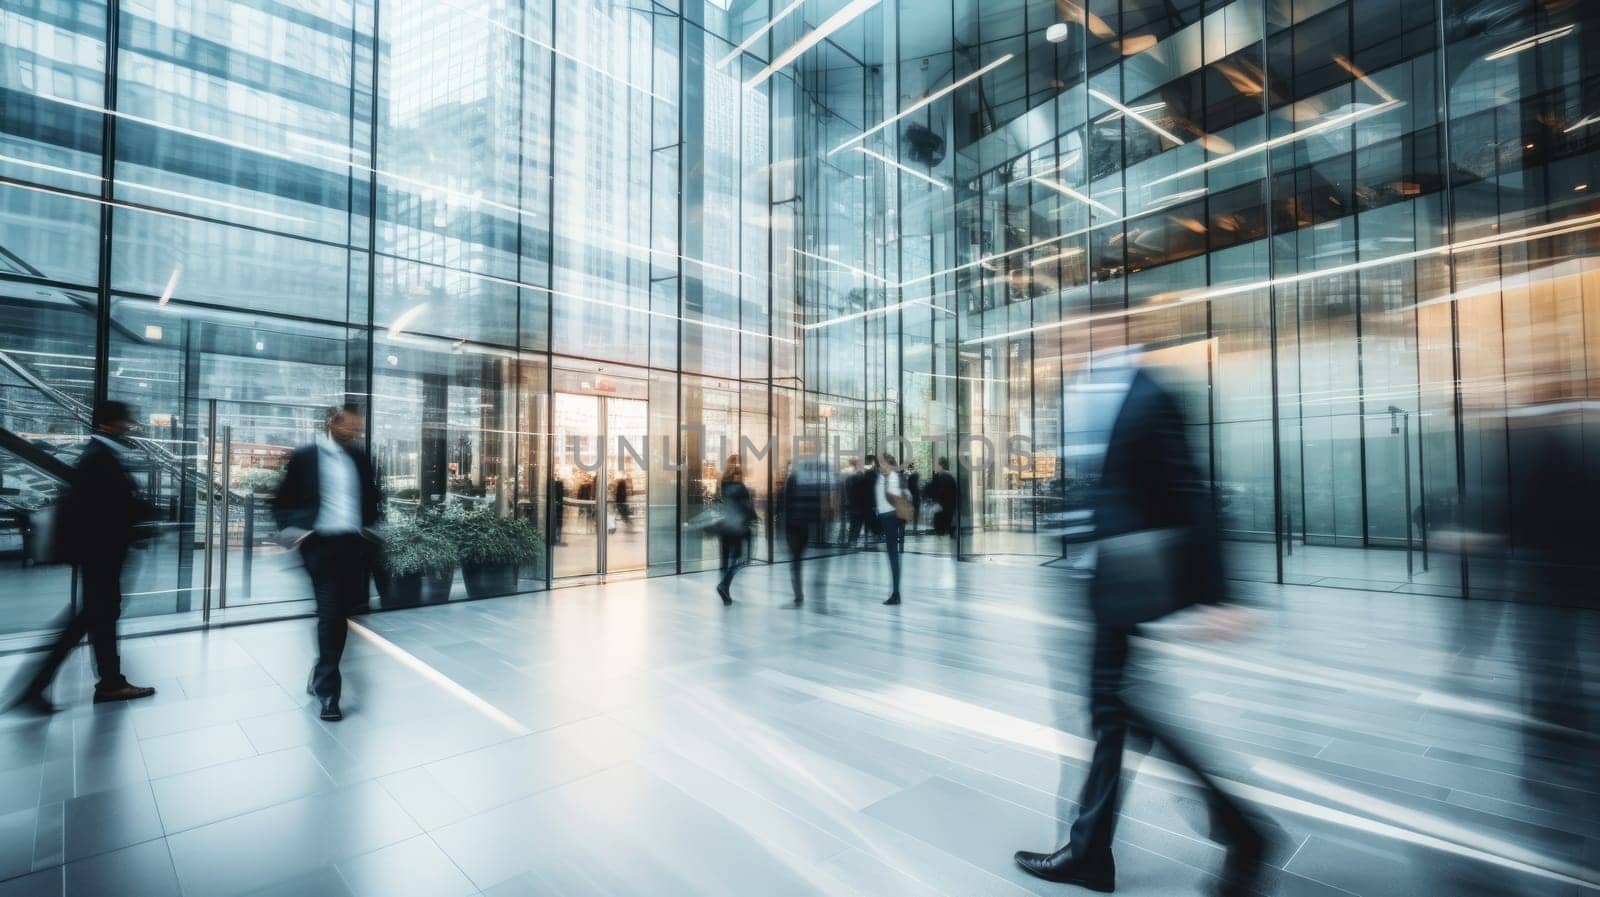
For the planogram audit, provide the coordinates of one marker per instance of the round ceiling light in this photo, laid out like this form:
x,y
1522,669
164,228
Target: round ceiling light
x,y
1056,33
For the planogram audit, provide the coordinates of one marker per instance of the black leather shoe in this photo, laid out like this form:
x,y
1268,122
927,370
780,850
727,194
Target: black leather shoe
x,y
1067,869
124,692
330,710
727,598
893,599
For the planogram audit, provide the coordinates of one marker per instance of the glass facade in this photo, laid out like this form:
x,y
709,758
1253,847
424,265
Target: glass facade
x,y
534,236
1360,233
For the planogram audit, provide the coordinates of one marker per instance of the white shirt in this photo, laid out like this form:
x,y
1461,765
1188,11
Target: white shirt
x,y
339,485
884,485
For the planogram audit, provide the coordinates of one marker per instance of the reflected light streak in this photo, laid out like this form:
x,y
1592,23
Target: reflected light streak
x,y
1328,125
783,14
948,88
455,688
815,325
405,318
1361,76
1064,190
1538,232
843,17
1067,253
900,702
172,284
1134,114
1529,43
911,171
848,267
1584,122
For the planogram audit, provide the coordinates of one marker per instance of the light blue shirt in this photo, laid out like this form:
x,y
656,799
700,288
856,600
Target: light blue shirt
x,y
340,486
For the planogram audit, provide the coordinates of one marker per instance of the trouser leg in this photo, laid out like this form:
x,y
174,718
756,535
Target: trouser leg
x,y
890,526
322,559
102,607
73,626
1101,795
797,553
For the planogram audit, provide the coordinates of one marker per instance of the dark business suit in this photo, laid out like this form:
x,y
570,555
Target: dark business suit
x,y
339,563
98,521
1149,482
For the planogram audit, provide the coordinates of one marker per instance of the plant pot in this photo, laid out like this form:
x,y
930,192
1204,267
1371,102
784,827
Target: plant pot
x,y
490,579
412,589
436,588
398,591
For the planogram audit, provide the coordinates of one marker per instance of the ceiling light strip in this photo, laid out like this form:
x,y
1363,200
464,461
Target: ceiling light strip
x,y
1538,232
1134,114
1335,122
749,41
952,86
1529,43
911,171
838,20
1064,190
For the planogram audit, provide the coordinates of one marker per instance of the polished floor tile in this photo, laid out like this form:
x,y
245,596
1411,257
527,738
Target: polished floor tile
x,y
637,738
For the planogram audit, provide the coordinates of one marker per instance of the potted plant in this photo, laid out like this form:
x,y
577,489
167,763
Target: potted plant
x,y
491,548
417,562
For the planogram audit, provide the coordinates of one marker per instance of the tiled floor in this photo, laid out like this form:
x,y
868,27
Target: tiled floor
x,y
638,738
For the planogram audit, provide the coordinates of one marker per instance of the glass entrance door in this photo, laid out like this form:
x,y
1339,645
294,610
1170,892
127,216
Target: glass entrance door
x,y
599,485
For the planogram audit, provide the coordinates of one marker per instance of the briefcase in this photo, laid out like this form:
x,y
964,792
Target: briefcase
x,y
1138,576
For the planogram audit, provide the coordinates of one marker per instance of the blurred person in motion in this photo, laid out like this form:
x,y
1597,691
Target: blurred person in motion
x,y
1158,552
941,492
327,505
99,520
858,500
805,515
734,526
913,482
892,508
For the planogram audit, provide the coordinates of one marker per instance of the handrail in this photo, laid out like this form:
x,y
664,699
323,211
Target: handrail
x,y
81,411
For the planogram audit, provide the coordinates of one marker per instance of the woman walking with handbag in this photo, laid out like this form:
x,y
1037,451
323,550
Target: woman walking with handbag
x,y
893,507
733,527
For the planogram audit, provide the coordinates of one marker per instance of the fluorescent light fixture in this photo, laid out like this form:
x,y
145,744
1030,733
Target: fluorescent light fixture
x,y
848,267
948,88
1529,43
172,284
867,313
1056,33
1538,232
1584,122
1135,115
838,20
784,13
911,171
1361,76
1064,190
1338,121
1066,253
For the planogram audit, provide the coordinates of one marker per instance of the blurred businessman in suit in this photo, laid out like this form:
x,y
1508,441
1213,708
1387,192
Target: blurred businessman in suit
x,y
1158,553
100,518
327,505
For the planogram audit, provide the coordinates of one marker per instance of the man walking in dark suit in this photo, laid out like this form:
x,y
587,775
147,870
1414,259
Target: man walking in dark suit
x,y
1150,491
98,521
327,505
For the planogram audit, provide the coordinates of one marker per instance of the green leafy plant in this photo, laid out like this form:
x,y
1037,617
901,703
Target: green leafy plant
x,y
420,544
483,538
260,480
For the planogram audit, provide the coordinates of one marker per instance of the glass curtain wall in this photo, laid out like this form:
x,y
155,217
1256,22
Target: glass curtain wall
x,y
1359,235
234,213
